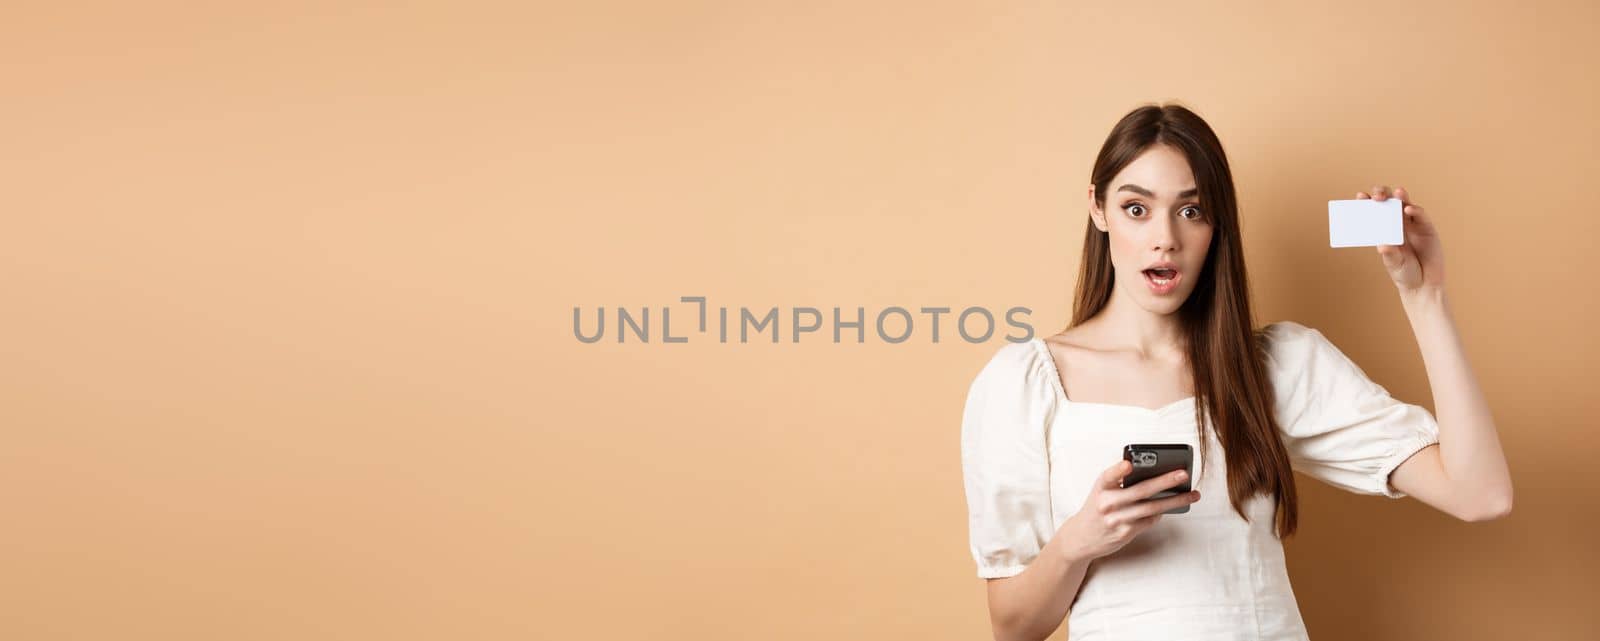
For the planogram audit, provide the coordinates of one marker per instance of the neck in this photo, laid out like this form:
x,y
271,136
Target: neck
x,y
1150,335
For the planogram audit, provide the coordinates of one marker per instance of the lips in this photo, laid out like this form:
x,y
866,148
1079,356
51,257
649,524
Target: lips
x,y
1162,280
1164,269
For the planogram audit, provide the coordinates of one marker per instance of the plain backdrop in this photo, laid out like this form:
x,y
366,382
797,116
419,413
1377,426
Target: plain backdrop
x,y
288,296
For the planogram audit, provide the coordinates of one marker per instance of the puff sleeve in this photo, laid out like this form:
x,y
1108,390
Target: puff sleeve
x,y
1338,425
1005,459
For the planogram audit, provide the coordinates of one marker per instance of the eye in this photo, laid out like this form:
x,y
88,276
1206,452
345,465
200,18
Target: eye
x,y
1197,214
1130,206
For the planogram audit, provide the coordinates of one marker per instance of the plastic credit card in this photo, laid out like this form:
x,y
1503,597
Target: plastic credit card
x,y
1364,223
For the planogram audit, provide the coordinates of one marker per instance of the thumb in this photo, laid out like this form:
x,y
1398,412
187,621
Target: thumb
x,y
1111,479
1392,256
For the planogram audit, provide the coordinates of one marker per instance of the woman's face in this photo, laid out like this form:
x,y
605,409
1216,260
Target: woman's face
x,y
1152,215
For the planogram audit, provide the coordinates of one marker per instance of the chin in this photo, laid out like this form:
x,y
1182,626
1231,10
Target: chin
x,y
1163,304
1163,307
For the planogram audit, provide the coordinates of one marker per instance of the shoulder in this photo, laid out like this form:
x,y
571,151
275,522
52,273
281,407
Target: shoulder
x,y
1290,331
1023,367
1286,341
1011,399
1299,355
1012,356
1013,360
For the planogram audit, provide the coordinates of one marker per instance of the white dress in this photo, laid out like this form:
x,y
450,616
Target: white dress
x,y
1029,455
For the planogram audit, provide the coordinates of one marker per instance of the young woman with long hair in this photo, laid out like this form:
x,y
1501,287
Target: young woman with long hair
x,y
1162,348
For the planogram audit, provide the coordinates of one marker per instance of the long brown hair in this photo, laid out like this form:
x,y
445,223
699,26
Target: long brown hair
x,y
1225,351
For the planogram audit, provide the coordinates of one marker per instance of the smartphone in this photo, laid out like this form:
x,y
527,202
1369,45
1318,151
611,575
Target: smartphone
x,y
1154,459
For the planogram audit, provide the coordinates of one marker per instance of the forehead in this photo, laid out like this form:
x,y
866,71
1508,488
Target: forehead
x,y
1159,168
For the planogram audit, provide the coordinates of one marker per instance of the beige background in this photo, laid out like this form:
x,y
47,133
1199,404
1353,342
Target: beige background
x,y
288,297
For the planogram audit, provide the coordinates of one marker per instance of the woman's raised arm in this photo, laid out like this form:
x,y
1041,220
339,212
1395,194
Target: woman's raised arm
x,y
1466,474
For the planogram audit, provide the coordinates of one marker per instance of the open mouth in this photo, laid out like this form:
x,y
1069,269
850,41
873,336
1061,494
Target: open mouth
x,y
1162,280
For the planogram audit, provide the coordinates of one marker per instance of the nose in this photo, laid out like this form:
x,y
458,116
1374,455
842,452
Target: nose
x,y
1164,235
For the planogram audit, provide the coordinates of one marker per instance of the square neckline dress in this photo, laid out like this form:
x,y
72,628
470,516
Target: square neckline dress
x,y
1030,455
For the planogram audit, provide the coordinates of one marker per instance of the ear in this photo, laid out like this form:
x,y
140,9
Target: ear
x,y
1095,213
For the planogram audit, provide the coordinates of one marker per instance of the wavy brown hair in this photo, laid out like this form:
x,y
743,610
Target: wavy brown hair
x,y
1225,352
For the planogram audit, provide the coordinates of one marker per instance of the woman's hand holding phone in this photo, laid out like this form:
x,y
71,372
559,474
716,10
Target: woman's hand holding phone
x,y
1112,515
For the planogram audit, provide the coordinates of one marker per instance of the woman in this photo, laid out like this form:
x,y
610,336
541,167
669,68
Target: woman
x,y
1161,349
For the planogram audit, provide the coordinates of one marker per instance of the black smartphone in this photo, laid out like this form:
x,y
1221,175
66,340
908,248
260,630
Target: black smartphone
x,y
1154,459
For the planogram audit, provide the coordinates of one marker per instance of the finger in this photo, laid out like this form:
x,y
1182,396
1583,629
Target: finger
x,y
1380,193
1111,479
1403,195
1395,256
1361,195
1140,525
1149,487
1146,509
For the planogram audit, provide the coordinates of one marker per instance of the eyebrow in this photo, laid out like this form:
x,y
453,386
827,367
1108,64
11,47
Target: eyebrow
x,y
1148,194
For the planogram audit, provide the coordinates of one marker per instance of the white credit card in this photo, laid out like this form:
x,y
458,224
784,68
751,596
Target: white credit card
x,y
1364,222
